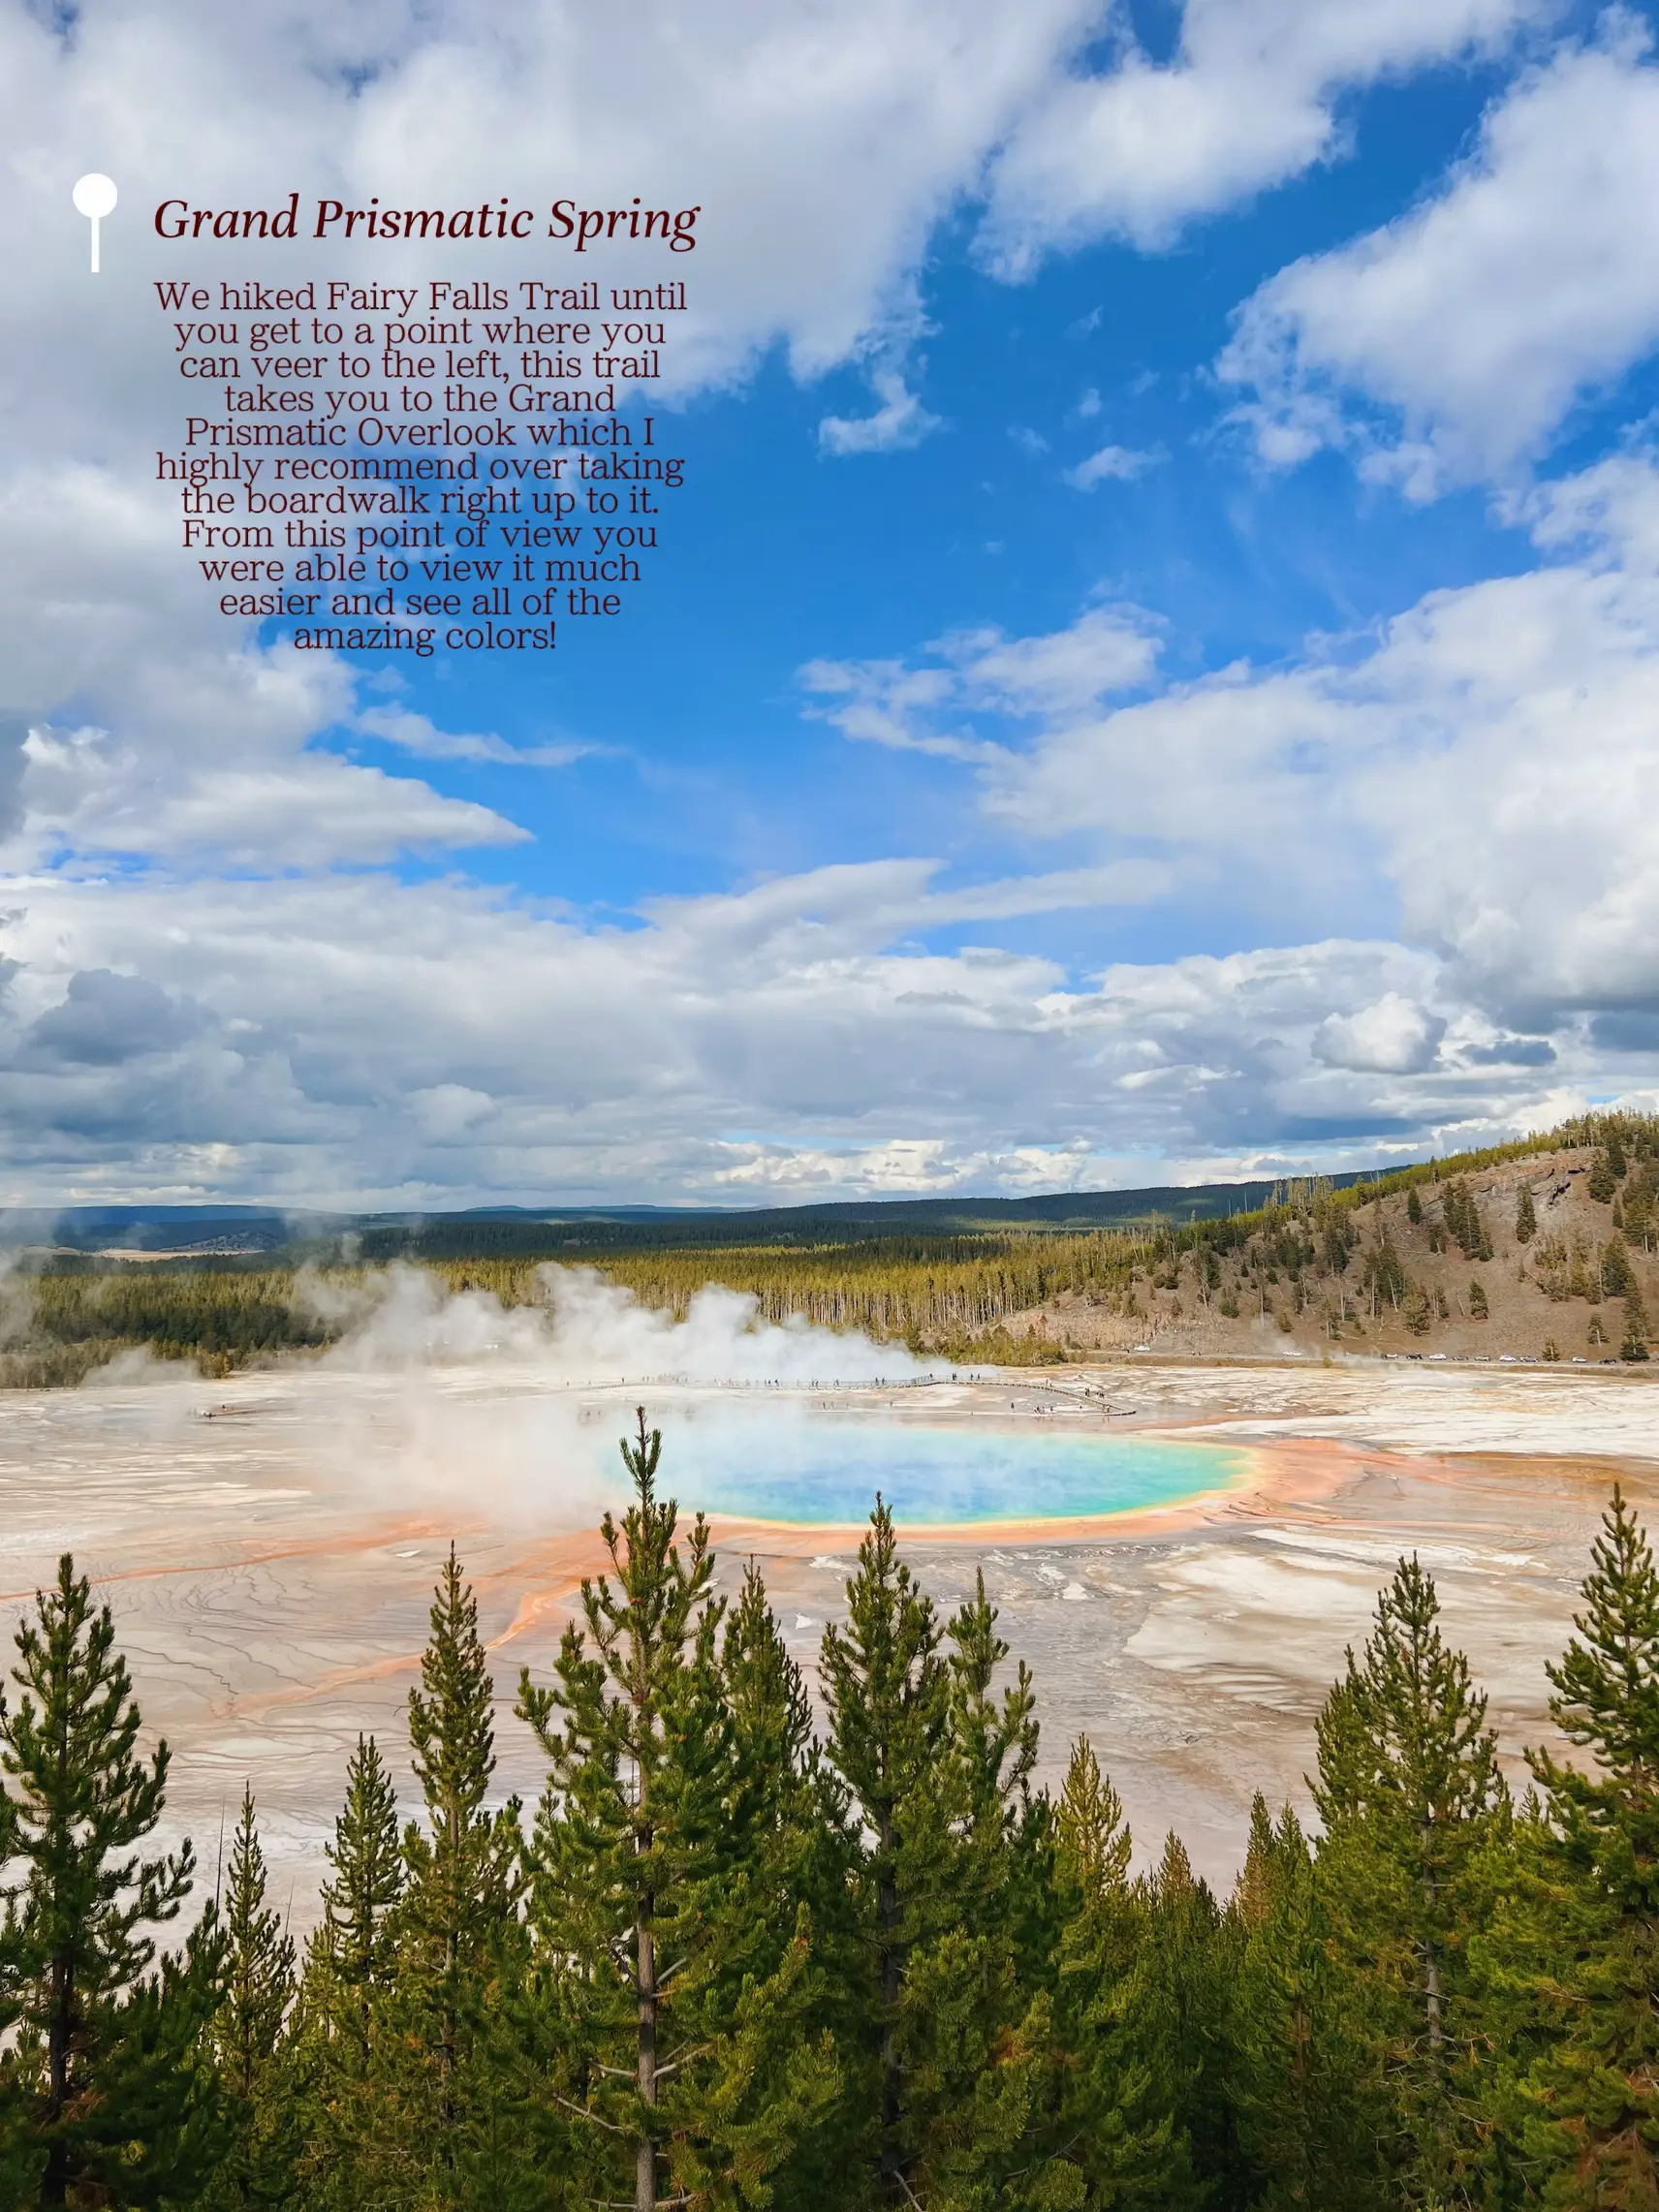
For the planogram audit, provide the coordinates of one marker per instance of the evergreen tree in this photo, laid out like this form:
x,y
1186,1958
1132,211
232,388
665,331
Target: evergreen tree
x,y
1413,1206
1309,2118
356,2144
452,1925
1191,1957
1525,1217
887,1695
789,1814
975,2035
256,1986
104,2066
352,1952
1595,2090
663,2040
1616,1274
1410,1795
1464,1220
1601,1182
1116,2121
951,1854
1635,1344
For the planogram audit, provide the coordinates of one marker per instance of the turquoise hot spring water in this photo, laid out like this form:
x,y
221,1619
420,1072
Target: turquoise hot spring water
x,y
825,1470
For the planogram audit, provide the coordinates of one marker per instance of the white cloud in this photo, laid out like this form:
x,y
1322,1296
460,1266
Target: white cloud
x,y
416,733
340,1036
353,1040
821,143
1106,649
885,703
195,741
1483,759
1114,464
1393,1035
1479,319
899,424
1249,100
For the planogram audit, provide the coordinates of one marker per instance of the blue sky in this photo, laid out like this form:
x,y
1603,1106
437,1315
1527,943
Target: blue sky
x,y
1149,675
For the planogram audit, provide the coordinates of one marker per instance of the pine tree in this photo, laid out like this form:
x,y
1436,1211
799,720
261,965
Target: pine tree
x,y
1413,1206
355,1953
1410,1795
1309,2118
1617,1273
113,2096
1191,1965
1595,2091
655,2043
975,2026
887,1695
1116,2121
1635,1344
257,1985
1525,1217
787,1823
1601,1183
952,1856
346,2089
462,1880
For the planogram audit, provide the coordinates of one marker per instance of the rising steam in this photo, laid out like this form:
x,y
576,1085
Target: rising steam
x,y
591,1331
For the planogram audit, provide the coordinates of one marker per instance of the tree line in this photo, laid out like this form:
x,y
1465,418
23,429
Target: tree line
x,y
747,1952
950,1296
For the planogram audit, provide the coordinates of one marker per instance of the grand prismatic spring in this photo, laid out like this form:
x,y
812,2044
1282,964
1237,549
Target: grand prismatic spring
x,y
1180,1552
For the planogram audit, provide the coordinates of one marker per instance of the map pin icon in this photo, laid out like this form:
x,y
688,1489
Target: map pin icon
x,y
94,196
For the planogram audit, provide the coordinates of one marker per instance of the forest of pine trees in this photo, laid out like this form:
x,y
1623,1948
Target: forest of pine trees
x,y
746,1951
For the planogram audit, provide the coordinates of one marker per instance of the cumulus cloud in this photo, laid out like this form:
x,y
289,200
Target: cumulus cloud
x,y
1487,754
1249,99
189,740
1392,1037
821,146
1476,320
297,1028
1483,760
821,143
103,1018
358,1042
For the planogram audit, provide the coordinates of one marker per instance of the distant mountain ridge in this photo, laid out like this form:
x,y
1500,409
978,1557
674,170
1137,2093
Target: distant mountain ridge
x,y
206,1229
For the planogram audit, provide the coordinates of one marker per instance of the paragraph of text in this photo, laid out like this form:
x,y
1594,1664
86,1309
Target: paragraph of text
x,y
420,468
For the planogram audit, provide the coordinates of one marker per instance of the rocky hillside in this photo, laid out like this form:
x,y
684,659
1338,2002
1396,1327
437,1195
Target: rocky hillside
x,y
1550,1257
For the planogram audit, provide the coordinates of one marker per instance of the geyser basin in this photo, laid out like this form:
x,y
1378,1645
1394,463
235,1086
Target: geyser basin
x,y
827,1472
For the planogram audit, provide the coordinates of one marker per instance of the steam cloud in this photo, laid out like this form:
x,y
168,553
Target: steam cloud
x,y
591,1331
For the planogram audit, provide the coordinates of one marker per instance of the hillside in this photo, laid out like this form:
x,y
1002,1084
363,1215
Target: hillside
x,y
1407,1272
1541,1248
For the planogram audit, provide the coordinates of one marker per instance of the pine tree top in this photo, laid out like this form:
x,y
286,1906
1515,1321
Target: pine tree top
x,y
82,1796
1094,1839
887,1688
1402,1742
452,1727
1607,1682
